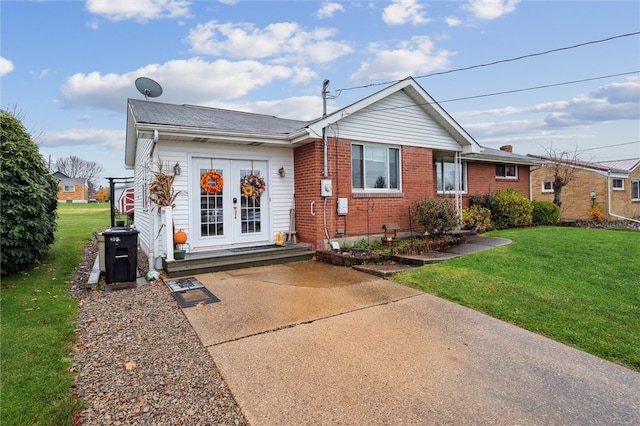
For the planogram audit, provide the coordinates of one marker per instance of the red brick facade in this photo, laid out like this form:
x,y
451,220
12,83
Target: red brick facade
x,y
481,179
367,212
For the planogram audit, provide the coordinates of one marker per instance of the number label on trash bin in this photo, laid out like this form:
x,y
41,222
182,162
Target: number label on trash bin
x,y
114,239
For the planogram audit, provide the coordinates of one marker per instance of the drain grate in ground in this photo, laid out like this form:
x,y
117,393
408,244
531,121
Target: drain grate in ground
x,y
190,292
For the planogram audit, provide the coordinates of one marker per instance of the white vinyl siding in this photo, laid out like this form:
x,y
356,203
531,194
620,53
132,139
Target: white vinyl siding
x,y
396,120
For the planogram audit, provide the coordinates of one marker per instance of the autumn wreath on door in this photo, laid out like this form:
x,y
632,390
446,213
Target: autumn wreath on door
x,y
211,182
253,186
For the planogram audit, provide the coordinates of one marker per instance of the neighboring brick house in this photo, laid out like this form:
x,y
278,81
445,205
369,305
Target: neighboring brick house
x,y
72,190
346,174
614,185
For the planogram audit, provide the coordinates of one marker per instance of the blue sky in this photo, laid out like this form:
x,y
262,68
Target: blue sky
x,y
68,67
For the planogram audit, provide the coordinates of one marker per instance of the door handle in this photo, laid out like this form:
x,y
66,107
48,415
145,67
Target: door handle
x,y
235,208
312,212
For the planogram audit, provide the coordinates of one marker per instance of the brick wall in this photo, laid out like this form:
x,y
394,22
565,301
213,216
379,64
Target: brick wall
x,y
481,179
576,200
79,194
366,212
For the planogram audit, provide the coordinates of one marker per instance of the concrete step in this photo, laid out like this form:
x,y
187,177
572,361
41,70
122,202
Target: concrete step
x,y
224,260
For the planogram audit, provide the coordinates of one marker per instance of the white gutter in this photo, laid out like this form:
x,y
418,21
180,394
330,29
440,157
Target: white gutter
x,y
609,202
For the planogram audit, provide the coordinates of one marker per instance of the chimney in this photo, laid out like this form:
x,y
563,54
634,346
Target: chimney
x,y
506,148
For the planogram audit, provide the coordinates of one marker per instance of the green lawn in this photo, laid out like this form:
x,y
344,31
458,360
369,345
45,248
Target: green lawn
x,y
38,325
577,286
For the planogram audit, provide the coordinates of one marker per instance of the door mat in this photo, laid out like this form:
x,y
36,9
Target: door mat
x,y
241,249
190,292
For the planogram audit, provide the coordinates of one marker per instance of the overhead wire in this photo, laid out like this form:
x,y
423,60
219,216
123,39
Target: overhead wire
x,y
487,64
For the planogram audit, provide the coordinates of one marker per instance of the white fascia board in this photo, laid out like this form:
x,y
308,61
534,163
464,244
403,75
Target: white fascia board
x,y
201,134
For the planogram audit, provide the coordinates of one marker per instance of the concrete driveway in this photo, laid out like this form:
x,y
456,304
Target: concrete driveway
x,y
314,344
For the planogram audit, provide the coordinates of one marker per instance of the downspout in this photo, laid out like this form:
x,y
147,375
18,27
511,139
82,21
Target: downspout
x,y
153,247
609,201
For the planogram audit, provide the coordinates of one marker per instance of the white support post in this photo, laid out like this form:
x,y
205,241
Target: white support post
x,y
168,224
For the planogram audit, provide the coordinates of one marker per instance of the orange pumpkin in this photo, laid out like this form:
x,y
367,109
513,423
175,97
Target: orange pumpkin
x,y
180,237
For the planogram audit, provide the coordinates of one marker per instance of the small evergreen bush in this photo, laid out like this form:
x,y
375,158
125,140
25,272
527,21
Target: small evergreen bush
x,y
29,198
512,209
545,213
477,217
437,215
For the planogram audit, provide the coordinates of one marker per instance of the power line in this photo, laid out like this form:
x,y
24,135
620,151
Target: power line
x,y
339,91
608,146
486,95
538,87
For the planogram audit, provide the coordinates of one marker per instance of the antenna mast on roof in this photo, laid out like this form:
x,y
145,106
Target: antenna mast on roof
x,y
148,87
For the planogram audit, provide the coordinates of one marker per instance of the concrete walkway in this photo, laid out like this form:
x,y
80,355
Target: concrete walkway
x,y
314,344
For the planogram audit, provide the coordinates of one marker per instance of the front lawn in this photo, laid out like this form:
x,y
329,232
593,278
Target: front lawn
x,y
577,286
38,325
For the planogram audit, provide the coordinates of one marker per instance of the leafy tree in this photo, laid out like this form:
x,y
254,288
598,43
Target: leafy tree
x,y
103,194
29,198
76,167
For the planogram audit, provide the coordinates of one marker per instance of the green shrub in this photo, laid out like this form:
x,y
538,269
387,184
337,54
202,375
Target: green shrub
x,y
437,215
477,217
512,209
545,213
29,198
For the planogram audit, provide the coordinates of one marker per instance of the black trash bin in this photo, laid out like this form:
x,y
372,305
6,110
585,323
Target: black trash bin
x,y
121,254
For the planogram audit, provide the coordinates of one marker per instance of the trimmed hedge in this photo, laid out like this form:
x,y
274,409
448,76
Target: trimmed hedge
x,y
29,198
545,213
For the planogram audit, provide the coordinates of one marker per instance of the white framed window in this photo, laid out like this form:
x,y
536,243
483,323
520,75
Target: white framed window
x,y
635,190
617,184
446,176
547,186
375,167
69,188
507,171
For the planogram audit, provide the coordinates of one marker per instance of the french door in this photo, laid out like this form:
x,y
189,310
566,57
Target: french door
x,y
222,213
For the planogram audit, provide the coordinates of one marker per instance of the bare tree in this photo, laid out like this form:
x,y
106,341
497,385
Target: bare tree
x,y
75,167
561,169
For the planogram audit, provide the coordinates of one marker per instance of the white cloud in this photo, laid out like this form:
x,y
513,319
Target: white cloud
x,y
328,9
138,10
452,21
612,102
404,11
490,9
281,42
413,57
111,139
295,108
6,66
195,80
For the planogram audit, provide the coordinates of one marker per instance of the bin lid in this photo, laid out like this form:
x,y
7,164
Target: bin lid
x,y
127,230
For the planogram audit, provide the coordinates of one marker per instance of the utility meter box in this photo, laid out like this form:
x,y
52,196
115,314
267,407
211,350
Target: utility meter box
x,y
326,188
343,206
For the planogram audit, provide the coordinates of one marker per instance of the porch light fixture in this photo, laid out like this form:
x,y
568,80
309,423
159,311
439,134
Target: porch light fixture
x,y
176,169
281,172
593,196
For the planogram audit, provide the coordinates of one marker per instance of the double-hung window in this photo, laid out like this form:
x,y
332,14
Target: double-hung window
x,y
69,188
635,190
446,176
618,184
375,167
507,171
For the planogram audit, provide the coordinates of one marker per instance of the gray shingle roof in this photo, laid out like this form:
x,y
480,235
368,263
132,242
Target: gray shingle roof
x,y
211,118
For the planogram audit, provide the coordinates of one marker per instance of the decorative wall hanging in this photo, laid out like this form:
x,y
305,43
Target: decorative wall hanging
x,y
253,186
211,182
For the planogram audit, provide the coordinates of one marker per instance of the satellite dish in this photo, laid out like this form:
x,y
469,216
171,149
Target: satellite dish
x,y
148,87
